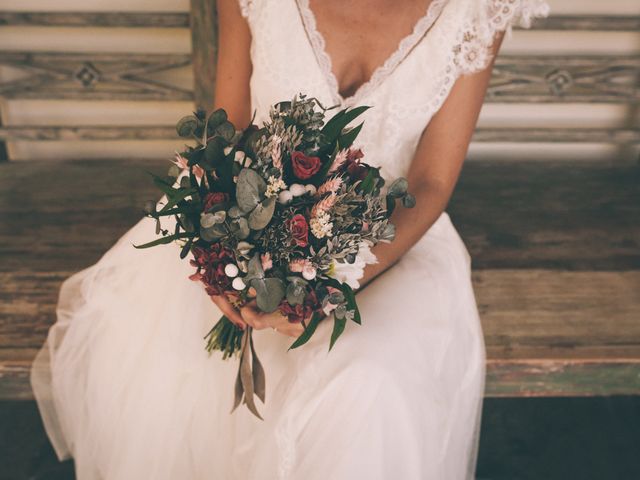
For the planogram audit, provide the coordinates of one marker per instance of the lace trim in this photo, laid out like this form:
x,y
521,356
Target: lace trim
x,y
472,51
245,7
407,44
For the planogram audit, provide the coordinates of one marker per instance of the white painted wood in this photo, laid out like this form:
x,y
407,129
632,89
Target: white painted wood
x,y
176,40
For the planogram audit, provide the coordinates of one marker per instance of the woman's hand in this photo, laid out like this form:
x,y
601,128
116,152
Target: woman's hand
x,y
280,323
229,311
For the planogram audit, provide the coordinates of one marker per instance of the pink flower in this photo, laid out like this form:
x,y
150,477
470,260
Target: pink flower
x,y
267,263
181,162
303,266
198,172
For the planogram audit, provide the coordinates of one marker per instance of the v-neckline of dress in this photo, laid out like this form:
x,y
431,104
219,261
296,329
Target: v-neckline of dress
x,y
382,71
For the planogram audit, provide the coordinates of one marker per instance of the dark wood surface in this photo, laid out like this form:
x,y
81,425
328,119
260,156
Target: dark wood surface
x,y
555,248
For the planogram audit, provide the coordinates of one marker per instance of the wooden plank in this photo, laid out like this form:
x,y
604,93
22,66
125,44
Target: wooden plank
x,y
155,132
204,46
560,378
96,132
602,23
91,75
558,135
549,215
565,79
524,215
95,19
548,333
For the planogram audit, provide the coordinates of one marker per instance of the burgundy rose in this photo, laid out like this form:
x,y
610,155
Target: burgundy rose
x,y
301,312
304,167
355,169
214,198
299,229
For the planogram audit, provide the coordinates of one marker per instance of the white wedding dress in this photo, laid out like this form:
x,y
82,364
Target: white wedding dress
x,y
126,388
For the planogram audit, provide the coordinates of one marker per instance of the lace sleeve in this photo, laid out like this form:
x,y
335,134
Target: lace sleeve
x,y
472,50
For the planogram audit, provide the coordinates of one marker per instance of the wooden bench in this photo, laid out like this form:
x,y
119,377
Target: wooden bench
x,y
556,253
556,246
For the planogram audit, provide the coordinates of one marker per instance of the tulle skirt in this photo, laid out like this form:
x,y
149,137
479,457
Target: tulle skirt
x,y
125,387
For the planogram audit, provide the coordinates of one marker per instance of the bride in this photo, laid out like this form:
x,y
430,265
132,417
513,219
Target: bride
x,y
123,382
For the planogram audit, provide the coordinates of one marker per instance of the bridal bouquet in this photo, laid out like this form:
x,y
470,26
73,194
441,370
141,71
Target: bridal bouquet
x,y
284,214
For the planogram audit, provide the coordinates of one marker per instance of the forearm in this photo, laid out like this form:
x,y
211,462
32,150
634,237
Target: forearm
x,y
411,224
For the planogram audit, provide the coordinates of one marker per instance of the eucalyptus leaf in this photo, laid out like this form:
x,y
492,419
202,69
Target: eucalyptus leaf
x,y
261,215
409,201
249,189
295,293
240,227
269,293
211,234
398,188
187,126
217,118
226,130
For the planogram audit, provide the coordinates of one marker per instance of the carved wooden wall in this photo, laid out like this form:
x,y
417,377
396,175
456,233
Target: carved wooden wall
x,y
600,78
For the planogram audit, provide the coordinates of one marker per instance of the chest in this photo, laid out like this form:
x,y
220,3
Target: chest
x,y
360,35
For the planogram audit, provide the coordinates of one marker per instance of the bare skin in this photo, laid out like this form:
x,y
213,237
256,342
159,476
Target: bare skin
x,y
372,29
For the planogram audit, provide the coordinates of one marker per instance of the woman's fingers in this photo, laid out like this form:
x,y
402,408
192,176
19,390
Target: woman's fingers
x,y
229,310
258,320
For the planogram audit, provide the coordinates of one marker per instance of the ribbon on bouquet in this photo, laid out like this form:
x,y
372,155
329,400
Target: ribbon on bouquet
x,y
251,380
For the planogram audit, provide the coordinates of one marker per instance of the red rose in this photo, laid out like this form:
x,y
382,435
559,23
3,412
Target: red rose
x,y
214,198
355,169
304,167
299,229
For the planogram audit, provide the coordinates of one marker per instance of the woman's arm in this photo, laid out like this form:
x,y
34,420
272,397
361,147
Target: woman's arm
x,y
233,70
436,165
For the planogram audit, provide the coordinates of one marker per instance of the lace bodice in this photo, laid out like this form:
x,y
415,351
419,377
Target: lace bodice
x,y
451,39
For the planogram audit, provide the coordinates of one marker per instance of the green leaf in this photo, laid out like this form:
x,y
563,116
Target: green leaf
x,y
308,331
260,217
165,240
217,118
178,196
350,298
249,189
408,201
346,140
269,293
186,248
338,327
368,185
187,126
333,128
398,187
226,130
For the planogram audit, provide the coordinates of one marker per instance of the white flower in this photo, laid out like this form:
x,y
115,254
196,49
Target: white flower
x,y
297,190
321,225
285,197
238,284
311,189
351,273
231,270
274,186
239,156
309,272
